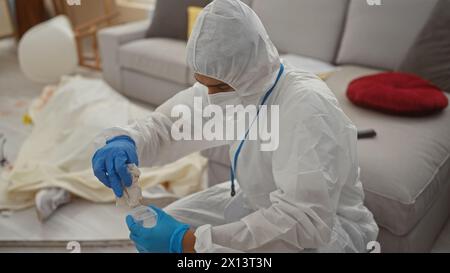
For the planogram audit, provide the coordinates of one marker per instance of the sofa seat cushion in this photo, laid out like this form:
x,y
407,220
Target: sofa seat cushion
x,y
397,93
157,57
405,167
312,65
316,66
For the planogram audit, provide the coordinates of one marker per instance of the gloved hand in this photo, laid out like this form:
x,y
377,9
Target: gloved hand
x,y
110,163
166,237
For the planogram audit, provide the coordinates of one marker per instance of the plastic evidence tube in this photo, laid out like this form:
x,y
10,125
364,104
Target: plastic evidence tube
x,y
132,199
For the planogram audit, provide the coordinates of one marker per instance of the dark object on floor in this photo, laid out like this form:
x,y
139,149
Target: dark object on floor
x,y
366,133
3,161
429,57
398,94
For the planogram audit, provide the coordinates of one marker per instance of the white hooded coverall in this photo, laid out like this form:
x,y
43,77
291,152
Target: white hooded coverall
x,y
304,196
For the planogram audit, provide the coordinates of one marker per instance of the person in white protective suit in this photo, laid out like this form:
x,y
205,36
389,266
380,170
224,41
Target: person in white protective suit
x,y
304,196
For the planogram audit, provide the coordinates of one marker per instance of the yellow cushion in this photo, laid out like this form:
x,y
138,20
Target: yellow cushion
x,y
193,13
27,120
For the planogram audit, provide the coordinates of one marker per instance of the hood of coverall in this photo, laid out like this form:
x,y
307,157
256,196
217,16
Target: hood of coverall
x,y
229,43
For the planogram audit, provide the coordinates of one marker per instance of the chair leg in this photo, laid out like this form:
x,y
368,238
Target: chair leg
x,y
96,52
80,50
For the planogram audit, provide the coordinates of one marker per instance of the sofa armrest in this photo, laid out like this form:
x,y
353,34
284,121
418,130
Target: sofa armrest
x,y
110,40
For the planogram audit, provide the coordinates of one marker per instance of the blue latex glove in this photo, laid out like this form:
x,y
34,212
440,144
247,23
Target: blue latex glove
x,y
166,237
110,163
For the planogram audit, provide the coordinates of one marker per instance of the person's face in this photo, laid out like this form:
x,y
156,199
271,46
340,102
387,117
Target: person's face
x,y
214,86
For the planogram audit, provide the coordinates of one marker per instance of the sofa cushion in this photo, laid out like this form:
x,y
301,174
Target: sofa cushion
x,y
397,93
154,91
163,24
430,55
405,167
159,58
320,68
311,28
380,36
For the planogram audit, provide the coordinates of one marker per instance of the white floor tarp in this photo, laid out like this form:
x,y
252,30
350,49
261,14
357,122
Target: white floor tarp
x,y
58,151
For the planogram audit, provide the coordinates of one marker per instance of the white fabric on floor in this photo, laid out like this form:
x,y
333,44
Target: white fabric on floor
x,y
12,131
59,149
12,134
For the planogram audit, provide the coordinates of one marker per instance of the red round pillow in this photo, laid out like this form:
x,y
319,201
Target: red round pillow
x,y
397,93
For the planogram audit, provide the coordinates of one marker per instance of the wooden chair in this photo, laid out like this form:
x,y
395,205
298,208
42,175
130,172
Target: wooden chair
x,y
104,14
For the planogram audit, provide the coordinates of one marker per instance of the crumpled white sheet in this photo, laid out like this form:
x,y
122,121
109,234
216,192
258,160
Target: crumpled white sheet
x,y
59,149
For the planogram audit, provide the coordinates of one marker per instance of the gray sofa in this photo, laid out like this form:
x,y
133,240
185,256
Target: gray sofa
x,y
405,169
